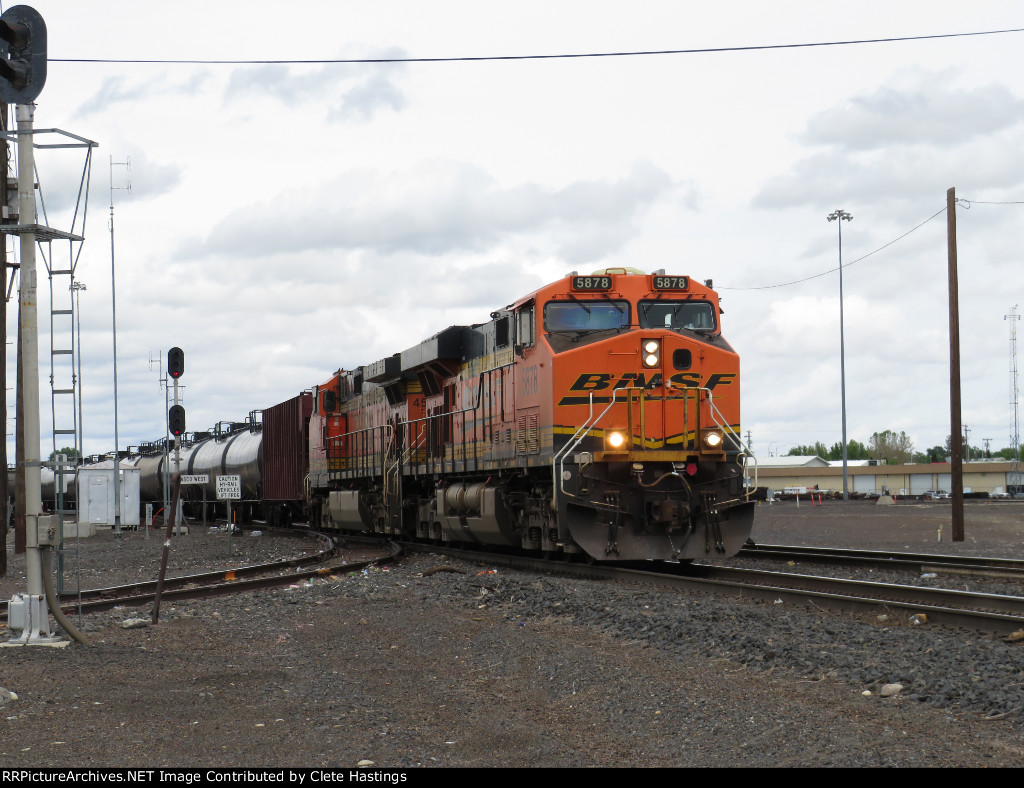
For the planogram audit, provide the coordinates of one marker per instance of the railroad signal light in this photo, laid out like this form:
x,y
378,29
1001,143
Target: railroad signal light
x,y
176,420
175,362
22,55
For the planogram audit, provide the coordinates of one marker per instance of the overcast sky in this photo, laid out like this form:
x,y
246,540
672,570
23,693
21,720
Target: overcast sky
x,y
287,220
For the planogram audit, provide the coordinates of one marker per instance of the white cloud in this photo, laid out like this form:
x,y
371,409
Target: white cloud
x,y
121,90
347,91
434,208
368,97
905,141
916,108
286,220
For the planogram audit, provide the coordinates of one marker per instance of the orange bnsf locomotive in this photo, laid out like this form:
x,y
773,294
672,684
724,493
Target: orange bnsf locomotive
x,y
599,414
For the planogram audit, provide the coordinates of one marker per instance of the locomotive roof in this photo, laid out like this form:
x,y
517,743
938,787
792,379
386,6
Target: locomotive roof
x,y
631,278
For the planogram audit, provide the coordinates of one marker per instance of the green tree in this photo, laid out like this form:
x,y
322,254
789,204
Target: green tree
x,y
67,450
934,454
966,450
855,450
817,450
891,447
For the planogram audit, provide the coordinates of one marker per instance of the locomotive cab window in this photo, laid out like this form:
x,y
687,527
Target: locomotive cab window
x,y
677,315
589,315
501,331
524,326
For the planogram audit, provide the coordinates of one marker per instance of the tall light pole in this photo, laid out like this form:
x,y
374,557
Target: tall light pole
x,y
840,216
76,290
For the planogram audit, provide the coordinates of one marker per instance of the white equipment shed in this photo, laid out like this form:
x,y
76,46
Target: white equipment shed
x,y
96,495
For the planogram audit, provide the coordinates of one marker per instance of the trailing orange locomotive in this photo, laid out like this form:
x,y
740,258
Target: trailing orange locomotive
x,y
599,414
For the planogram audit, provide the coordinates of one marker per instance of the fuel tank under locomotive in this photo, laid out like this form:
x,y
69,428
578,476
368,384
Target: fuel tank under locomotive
x,y
471,512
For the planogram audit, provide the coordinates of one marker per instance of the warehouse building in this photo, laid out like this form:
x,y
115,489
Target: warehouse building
x,y
869,477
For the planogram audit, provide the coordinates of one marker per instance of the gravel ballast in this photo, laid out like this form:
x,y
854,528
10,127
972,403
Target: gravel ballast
x,y
482,666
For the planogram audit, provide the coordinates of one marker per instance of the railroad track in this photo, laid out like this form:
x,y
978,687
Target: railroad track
x,y
899,603
235,580
919,604
975,566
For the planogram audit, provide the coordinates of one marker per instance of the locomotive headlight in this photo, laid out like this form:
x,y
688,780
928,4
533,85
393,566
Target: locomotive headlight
x,y
713,439
615,440
651,353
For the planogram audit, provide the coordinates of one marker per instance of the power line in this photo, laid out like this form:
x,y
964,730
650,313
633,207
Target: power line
x,y
969,203
847,265
702,51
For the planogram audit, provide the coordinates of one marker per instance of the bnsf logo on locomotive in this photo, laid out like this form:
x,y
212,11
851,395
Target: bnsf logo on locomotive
x,y
602,381
599,381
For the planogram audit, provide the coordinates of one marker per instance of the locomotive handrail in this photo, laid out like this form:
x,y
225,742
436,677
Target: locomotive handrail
x,y
414,445
390,469
479,401
741,447
390,428
335,440
574,441
554,477
591,422
452,412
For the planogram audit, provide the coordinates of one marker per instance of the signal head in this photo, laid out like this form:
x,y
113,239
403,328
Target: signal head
x,y
22,55
176,420
175,362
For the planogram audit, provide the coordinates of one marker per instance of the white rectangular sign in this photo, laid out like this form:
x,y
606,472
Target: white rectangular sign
x,y
229,488
198,478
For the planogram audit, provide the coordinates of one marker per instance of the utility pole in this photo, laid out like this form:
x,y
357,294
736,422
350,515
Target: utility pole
x,y
956,444
5,493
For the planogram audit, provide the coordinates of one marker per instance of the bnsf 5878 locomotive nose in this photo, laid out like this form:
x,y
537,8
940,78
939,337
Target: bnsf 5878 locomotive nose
x,y
648,461
598,415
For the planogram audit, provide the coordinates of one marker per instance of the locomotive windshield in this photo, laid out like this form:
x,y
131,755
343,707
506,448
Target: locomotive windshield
x,y
675,315
585,315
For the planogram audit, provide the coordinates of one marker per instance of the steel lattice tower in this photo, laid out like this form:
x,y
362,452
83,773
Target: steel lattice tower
x,y
1013,478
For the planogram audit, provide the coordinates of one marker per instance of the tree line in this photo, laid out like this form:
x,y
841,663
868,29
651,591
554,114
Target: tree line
x,y
896,448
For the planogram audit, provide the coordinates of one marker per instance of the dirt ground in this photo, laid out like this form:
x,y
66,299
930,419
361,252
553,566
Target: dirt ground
x,y
406,670
991,528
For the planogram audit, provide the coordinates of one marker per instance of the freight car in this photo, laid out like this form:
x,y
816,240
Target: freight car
x,y
229,449
598,415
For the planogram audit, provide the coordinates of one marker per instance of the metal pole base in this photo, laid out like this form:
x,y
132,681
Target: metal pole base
x,y
29,614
